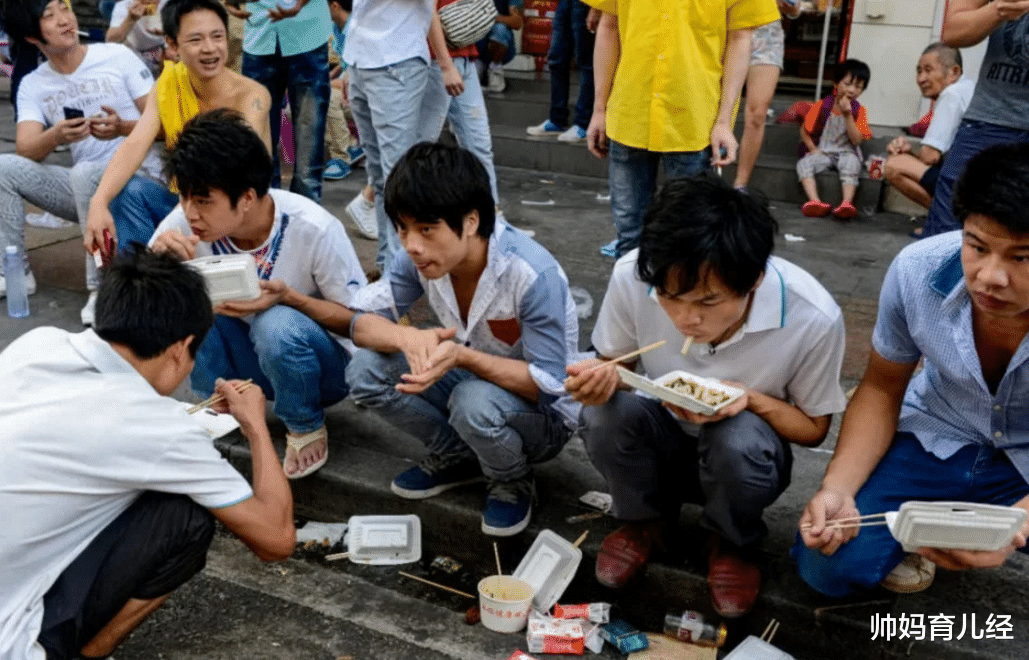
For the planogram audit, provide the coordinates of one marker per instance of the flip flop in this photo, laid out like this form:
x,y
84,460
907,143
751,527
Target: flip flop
x,y
813,209
299,442
845,211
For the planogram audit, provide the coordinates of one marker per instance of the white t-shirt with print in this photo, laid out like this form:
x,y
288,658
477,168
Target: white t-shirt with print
x,y
307,248
109,75
83,436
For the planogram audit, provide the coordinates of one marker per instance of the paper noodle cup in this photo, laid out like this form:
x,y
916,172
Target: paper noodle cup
x,y
504,603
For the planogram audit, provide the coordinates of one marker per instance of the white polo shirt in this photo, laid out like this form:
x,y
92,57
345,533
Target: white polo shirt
x,y
83,436
790,347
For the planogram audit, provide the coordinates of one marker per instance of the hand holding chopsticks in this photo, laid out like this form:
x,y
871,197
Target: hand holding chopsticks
x,y
216,398
870,520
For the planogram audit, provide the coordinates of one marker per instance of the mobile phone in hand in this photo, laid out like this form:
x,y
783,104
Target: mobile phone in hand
x,y
73,113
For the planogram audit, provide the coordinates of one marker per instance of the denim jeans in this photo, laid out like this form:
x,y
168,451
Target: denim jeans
x,y
466,112
502,35
460,414
972,137
736,467
632,175
386,103
976,473
570,39
295,361
305,77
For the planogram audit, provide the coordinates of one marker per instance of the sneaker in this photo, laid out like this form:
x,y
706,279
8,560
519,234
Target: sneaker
x,y
362,212
495,77
356,155
436,474
30,284
910,576
508,506
89,311
573,134
546,128
335,170
610,250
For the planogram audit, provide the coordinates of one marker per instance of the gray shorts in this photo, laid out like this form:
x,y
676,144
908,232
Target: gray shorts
x,y
768,44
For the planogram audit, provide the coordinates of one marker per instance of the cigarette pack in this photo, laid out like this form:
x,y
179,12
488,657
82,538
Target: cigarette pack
x,y
595,612
624,637
548,635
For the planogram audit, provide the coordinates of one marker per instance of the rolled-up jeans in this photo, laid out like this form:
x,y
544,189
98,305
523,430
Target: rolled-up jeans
x,y
295,361
460,414
632,175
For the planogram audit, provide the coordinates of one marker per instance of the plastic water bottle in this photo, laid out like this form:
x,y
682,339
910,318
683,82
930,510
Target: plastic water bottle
x,y
17,291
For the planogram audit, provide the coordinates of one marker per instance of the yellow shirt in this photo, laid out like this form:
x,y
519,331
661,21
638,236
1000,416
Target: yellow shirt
x,y
668,83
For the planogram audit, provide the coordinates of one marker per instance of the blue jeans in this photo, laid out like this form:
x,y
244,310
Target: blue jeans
x,y
306,77
466,112
460,414
976,473
632,176
386,103
569,39
137,210
502,35
294,360
972,137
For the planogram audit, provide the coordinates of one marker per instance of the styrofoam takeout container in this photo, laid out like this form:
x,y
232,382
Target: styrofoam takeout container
x,y
229,277
753,648
656,388
384,540
504,603
955,525
548,567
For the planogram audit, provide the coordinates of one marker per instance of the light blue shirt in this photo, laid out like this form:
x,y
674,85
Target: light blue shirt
x,y
300,34
925,311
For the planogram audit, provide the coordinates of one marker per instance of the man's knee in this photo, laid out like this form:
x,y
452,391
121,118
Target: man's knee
x,y
475,407
739,448
10,166
281,331
612,429
372,376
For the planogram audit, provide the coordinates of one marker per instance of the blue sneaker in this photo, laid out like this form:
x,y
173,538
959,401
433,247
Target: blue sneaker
x,y
356,155
573,134
546,128
335,170
436,474
610,250
508,506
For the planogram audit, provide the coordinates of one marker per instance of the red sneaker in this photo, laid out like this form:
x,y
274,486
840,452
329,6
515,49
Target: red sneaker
x,y
813,209
844,211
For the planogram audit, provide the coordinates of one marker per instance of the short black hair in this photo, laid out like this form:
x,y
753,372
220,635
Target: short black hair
x,y
149,301
700,225
857,69
949,56
434,182
219,149
347,5
995,184
172,13
21,18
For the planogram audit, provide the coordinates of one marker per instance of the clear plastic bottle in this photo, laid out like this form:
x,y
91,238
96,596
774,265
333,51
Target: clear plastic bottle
x,y
690,627
17,287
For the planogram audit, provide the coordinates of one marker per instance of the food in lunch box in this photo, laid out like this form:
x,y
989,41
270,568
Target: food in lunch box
x,y
695,390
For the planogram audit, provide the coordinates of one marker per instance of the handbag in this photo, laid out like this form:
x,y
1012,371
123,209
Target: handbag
x,y
467,21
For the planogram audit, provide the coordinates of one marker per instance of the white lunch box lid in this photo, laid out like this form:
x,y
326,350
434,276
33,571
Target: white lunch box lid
x,y
384,540
657,389
229,276
955,525
753,648
548,567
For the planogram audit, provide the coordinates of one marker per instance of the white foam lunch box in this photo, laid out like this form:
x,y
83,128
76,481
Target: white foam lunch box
x,y
753,648
659,388
548,567
229,277
384,540
955,525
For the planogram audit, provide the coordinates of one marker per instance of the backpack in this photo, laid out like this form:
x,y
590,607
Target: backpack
x,y
467,21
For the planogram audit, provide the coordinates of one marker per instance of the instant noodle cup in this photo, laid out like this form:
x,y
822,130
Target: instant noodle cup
x,y
504,603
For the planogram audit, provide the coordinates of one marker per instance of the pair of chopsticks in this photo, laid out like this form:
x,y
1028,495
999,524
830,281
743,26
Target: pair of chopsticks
x,y
871,520
625,357
218,398
770,630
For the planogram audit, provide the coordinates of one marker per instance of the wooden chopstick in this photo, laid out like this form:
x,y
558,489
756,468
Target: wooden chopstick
x,y
852,519
686,345
437,585
626,356
769,633
217,398
581,538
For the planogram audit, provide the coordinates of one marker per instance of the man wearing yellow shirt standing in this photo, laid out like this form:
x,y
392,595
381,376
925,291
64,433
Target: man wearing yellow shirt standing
x,y
670,98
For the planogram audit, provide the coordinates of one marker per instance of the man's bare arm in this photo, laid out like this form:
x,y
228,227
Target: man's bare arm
x,y
970,21
255,110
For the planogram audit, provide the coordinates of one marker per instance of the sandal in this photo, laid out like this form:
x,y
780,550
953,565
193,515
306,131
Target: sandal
x,y
297,443
845,211
815,209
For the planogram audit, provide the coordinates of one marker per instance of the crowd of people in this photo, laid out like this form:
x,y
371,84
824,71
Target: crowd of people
x,y
108,519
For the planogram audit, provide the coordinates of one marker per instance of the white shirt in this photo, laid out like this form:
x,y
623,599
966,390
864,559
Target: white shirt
x,y
790,347
139,38
111,75
384,32
83,435
947,113
307,248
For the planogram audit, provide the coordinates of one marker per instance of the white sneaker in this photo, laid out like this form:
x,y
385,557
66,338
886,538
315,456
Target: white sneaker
x,y
546,128
573,134
910,576
30,284
496,79
362,213
89,310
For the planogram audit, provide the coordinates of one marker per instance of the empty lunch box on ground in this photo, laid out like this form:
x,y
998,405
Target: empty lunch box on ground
x,y
384,540
657,388
955,525
548,567
753,648
229,277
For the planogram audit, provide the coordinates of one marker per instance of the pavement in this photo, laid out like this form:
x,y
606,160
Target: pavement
x,y
311,608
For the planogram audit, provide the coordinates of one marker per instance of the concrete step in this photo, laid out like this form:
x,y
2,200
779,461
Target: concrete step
x,y
365,454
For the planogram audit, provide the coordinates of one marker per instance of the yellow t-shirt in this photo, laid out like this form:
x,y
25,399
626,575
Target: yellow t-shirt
x,y
668,83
